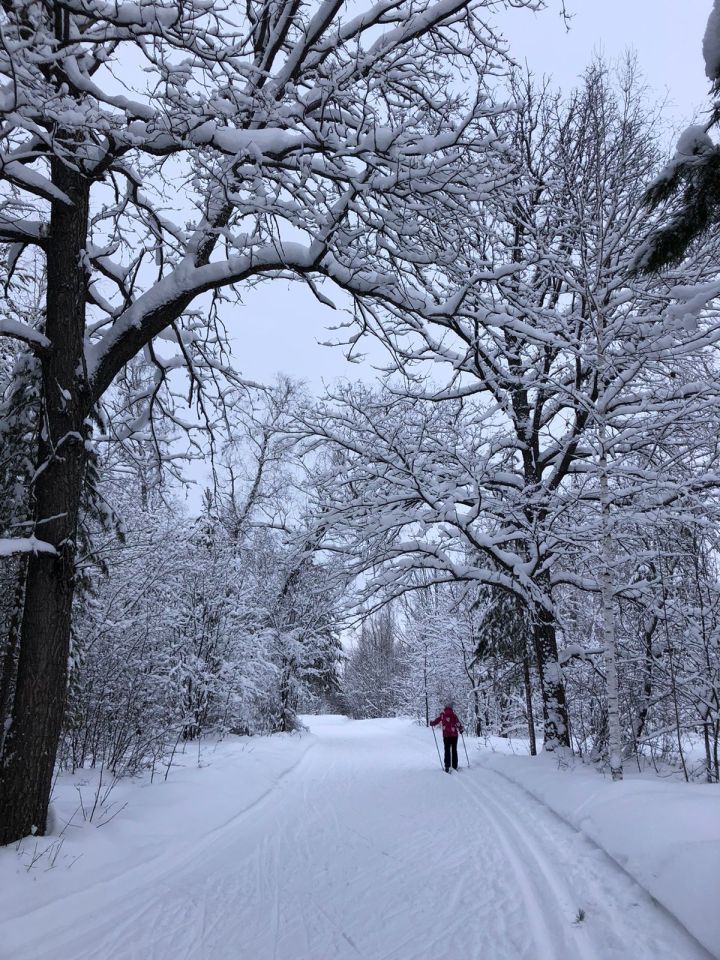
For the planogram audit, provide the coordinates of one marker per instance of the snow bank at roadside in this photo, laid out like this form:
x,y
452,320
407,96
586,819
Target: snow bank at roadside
x,y
665,835
137,822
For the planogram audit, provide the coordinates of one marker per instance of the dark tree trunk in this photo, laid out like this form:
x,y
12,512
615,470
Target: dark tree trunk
x,y
529,705
555,717
708,752
8,670
287,719
41,680
478,718
641,720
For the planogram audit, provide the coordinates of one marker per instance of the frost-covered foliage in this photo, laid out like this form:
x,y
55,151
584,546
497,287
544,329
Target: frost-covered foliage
x,y
444,642
19,397
245,141
195,625
374,669
193,631
19,425
471,646
668,640
578,416
438,646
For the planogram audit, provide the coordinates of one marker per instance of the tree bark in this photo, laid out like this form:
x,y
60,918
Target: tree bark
x,y
425,688
478,717
608,617
555,717
8,670
649,628
32,739
529,704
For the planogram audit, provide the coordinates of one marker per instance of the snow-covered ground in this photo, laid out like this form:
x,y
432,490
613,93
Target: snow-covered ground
x,y
347,842
664,833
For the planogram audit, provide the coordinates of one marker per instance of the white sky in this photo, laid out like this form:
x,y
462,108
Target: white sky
x,y
280,326
666,35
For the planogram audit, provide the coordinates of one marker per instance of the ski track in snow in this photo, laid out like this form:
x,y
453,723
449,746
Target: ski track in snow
x,y
365,849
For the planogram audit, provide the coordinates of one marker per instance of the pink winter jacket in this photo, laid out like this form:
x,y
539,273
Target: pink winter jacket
x,y
451,725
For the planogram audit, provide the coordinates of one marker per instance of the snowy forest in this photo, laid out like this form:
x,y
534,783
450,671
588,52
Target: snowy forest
x,y
515,503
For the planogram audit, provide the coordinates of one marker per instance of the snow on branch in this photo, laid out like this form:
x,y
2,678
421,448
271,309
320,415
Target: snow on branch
x,y
274,140
32,181
711,44
21,331
16,230
9,546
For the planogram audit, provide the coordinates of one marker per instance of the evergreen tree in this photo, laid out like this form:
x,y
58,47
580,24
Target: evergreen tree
x,y
687,191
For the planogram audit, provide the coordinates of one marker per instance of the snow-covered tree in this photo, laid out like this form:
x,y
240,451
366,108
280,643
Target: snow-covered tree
x,y
556,366
374,670
191,629
158,154
438,653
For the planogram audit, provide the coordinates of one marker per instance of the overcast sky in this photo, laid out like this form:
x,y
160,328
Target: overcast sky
x,y
666,34
279,326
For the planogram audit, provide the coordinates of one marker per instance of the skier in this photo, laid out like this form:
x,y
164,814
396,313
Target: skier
x,y
451,727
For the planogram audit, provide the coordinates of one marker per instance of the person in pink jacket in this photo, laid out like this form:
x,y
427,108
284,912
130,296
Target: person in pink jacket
x,y
451,727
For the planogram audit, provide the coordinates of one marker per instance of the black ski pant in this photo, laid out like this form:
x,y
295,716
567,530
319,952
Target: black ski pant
x,y
450,744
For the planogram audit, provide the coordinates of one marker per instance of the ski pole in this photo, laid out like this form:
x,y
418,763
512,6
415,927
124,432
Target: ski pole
x,y
442,765
466,753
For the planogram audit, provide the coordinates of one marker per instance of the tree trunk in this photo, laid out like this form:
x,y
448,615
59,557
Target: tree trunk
x,y
647,690
555,718
708,752
478,718
608,618
425,688
8,671
287,719
529,704
41,682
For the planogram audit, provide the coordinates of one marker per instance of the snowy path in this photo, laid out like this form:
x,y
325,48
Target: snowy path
x,y
365,849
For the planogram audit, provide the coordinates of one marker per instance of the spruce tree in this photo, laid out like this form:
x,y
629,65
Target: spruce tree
x,y
687,191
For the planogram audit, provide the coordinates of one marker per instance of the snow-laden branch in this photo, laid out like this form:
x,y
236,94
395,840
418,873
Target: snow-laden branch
x,y
17,330
11,546
15,230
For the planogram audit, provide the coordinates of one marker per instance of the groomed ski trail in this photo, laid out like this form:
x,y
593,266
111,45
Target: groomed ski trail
x,y
366,849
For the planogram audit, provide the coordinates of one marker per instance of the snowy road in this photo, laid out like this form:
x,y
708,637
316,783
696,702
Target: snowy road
x,y
365,849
